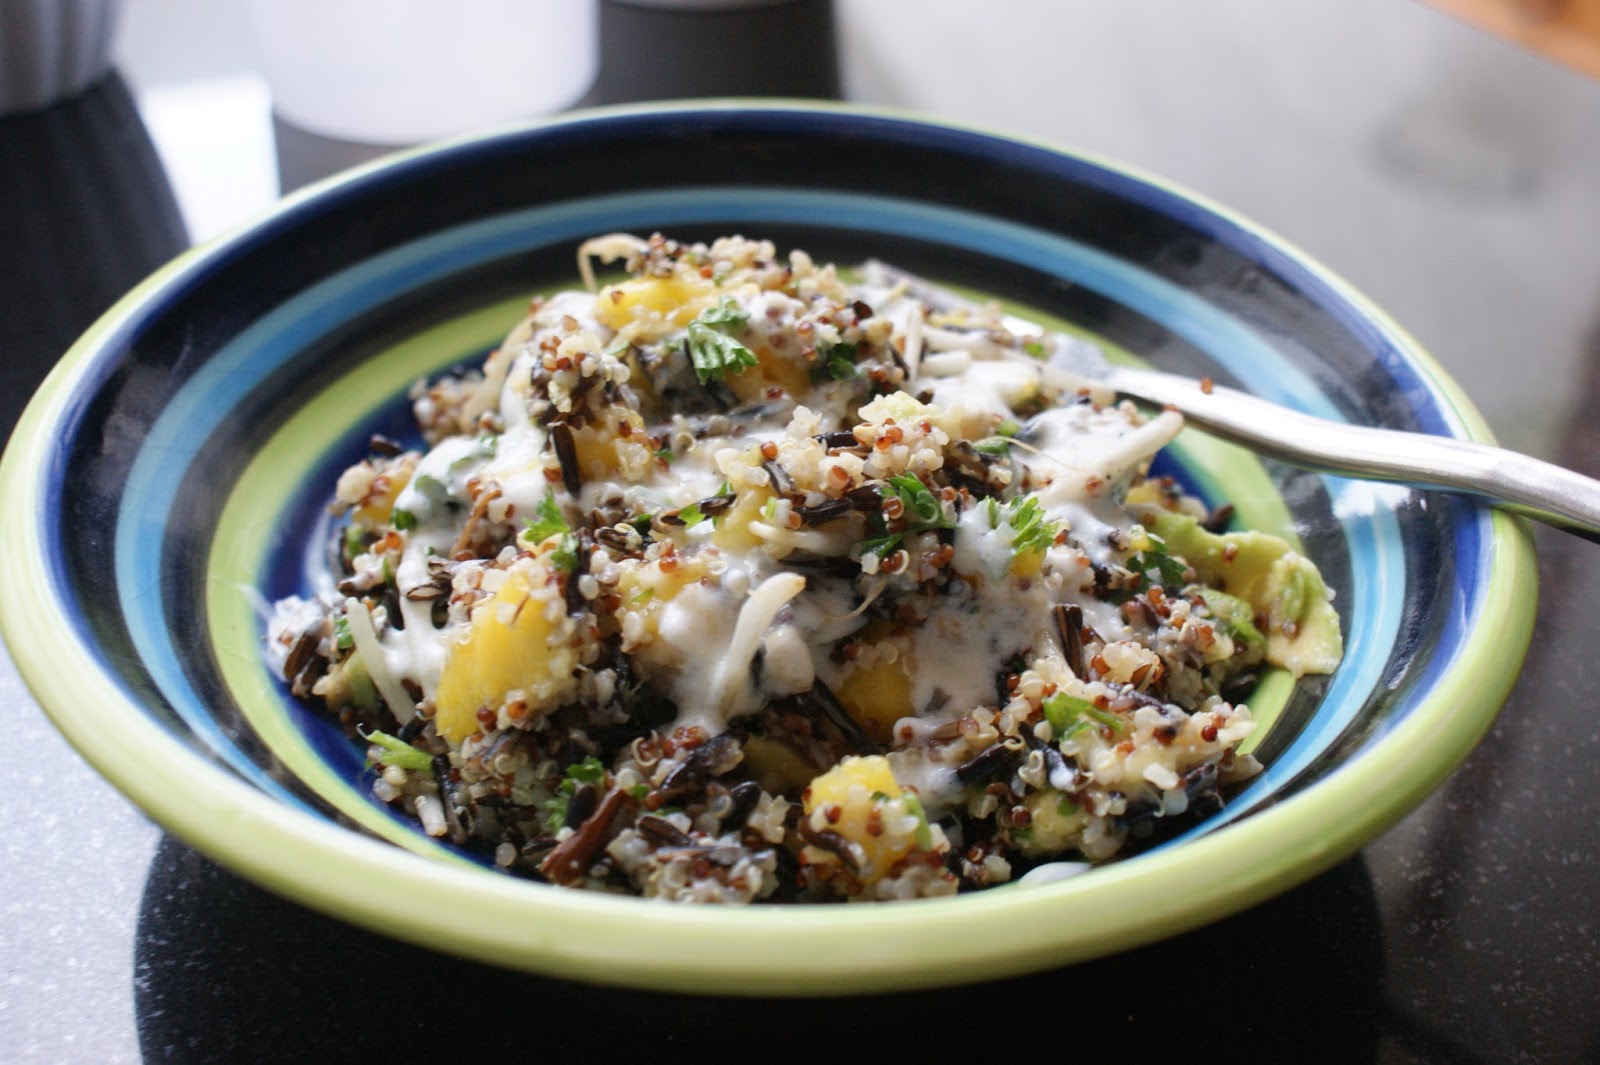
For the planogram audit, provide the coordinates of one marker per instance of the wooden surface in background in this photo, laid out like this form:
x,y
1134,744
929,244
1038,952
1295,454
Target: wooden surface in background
x,y
1567,31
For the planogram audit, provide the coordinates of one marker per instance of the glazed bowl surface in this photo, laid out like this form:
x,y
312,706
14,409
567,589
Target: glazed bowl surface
x,y
172,475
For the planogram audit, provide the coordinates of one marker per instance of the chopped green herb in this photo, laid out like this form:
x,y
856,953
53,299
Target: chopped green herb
x,y
565,556
1069,715
691,515
550,521
1151,567
589,771
924,836
341,633
726,312
922,511
713,352
354,543
920,503
1034,348
643,595
882,546
993,445
836,362
392,750
1031,531
402,519
664,454
1008,427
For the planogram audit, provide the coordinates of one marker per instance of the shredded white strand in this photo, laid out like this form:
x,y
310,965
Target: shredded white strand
x,y
913,336
980,345
876,590
608,249
1140,444
818,543
755,617
370,648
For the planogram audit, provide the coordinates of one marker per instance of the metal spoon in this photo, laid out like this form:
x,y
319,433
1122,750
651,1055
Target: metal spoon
x,y
1517,482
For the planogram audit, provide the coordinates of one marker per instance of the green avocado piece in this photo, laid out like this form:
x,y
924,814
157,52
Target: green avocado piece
x,y
1281,586
1237,616
349,684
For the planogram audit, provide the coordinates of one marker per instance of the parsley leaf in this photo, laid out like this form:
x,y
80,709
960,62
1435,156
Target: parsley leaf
x,y
922,511
341,633
836,362
920,502
726,312
402,519
691,515
882,546
565,556
551,521
1031,531
1169,572
712,351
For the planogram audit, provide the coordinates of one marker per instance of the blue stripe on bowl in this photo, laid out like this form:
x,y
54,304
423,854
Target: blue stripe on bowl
x,y
1377,559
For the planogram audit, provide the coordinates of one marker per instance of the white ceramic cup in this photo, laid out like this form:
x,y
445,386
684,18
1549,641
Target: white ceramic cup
x,y
399,72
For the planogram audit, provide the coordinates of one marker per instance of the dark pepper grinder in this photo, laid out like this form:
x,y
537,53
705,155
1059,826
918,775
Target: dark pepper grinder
x,y
677,49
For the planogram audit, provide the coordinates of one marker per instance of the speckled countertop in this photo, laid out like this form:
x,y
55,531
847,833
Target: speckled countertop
x,y
1469,932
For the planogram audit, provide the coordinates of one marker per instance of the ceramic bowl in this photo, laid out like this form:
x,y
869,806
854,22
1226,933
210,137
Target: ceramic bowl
x,y
171,475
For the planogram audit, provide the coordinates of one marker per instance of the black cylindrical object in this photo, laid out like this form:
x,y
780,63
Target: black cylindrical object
x,y
677,49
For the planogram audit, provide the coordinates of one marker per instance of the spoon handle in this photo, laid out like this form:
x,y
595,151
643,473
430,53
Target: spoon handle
x,y
1527,485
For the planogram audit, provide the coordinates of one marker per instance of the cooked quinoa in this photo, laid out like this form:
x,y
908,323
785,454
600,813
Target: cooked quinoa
x,y
736,580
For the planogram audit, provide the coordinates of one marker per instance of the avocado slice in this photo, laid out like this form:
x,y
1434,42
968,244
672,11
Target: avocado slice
x,y
1282,587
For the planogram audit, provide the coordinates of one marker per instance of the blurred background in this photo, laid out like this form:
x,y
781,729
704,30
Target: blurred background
x,y
1450,174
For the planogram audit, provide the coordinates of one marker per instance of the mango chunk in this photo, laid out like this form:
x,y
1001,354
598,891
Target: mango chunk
x,y
878,696
675,299
860,800
510,646
733,527
377,500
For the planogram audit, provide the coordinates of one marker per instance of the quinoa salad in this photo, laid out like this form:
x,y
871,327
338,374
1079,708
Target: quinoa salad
x,y
740,578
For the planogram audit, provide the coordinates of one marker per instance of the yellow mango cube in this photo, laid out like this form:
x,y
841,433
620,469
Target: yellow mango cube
x,y
732,531
860,800
674,299
878,696
377,503
510,645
